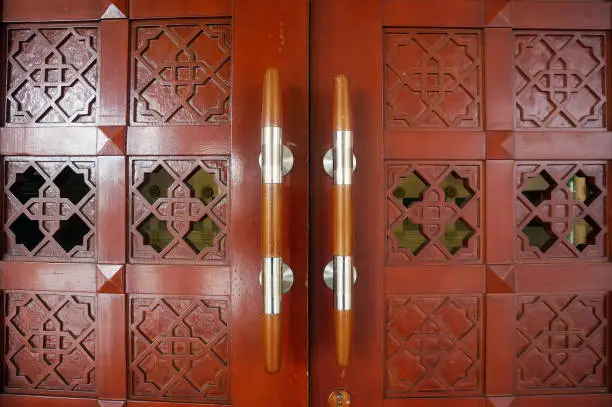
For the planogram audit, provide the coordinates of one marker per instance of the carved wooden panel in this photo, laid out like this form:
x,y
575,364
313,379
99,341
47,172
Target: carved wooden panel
x,y
560,79
179,348
560,210
50,341
562,342
50,208
181,72
433,345
433,212
179,210
52,74
433,79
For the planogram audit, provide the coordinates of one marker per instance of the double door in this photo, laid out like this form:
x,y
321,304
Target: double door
x,y
132,203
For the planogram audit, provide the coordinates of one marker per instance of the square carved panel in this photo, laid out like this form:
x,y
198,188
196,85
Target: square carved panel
x,y
181,72
433,212
52,74
50,208
50,341
179,348
179,210
433,79
562,343
560,79
561,210
433,345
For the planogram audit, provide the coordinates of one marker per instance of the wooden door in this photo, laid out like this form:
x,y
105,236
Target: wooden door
x,y
131,216
482,138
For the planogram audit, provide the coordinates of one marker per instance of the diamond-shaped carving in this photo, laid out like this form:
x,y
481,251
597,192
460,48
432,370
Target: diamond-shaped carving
x,y
539,188
181,72
182,203
456,235
410,189
584,232
51,208
155,184
155,233
50,343
561,210
561,342
71,185
433,212
203,185
27,185
53,74
433,346
175,334
540,234
456,189
71,233
202,234
560,79
433,79
409,236
26,232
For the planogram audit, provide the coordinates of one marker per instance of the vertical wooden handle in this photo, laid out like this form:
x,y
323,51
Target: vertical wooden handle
x,y
343,324
272,342
272,203
343,220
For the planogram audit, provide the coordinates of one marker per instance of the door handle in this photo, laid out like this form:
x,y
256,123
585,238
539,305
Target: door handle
x,y
276,160
340,274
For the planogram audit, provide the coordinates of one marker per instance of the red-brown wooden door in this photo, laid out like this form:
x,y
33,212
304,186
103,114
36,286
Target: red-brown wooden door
x,y
482,138
131,220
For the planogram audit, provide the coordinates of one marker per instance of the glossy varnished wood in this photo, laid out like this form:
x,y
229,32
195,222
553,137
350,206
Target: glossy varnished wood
x,y
496,293
334,51
268,34
128,296
271,220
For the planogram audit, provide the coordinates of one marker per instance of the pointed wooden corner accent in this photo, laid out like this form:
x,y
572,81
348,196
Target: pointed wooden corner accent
x,y
500,401
497,13
110,278
500,145
501,279
111,403
114,10
111,140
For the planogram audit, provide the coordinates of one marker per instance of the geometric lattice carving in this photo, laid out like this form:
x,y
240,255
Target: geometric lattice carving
x,y
179,210
562,342
433,212
561,210
50,208
560,80
50,343
52,75
433,80
433,346
181,73
179,348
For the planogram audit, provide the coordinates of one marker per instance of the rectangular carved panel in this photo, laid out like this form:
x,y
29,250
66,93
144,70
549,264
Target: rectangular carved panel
x,y
433,212
562,343
181,72
50,208
433,79
433,345
179,210
561,210
560,79
179,348
52,74
50,341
